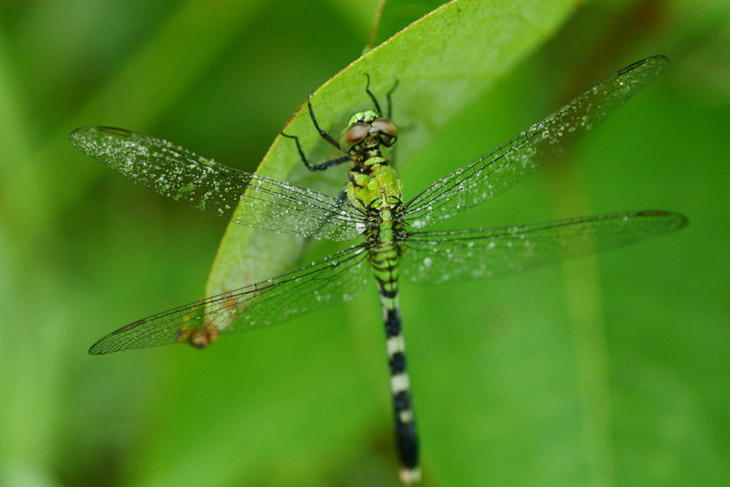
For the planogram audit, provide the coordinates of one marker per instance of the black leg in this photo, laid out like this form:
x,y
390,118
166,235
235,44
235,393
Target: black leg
x,y
387,95
322,133
372,97
322,165
390,102
314,167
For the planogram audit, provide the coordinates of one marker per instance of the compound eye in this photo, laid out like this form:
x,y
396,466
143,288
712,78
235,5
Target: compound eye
x,y
354,134
385,126
387,131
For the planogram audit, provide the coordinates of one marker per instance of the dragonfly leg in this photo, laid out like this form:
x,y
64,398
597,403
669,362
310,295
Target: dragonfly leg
x,y
390,101
322,133
372,97
387,95
315,167
322,165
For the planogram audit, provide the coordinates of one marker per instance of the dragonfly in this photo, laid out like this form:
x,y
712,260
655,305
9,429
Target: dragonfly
x,y
392,245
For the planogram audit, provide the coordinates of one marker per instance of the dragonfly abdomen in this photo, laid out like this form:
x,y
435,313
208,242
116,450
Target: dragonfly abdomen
x,y
406,435
385,250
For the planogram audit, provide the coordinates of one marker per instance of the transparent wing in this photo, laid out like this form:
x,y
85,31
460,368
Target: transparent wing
x,y
213,188
437,257
510,163
339,277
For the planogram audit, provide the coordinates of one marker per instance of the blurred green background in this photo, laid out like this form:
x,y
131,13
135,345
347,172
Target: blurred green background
x,y
607,371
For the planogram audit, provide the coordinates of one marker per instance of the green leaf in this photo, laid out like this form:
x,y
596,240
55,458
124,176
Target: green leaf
x,y
442,61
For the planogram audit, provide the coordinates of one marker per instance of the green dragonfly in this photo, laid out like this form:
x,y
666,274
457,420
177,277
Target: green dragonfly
x,y
392,243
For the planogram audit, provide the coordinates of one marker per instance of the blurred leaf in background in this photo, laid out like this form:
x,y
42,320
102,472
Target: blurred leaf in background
x,y
608,371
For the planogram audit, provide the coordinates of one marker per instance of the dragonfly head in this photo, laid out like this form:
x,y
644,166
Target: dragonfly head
x,y
364,124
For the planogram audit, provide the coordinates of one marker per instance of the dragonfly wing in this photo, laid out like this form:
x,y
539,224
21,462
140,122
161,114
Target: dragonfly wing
x,y
510,163
339,277
438,257
246,198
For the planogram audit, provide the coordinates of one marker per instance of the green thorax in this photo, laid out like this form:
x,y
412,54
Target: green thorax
x,y
379,187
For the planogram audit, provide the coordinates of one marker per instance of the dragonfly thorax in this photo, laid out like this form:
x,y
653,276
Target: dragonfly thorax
x,y
378,187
